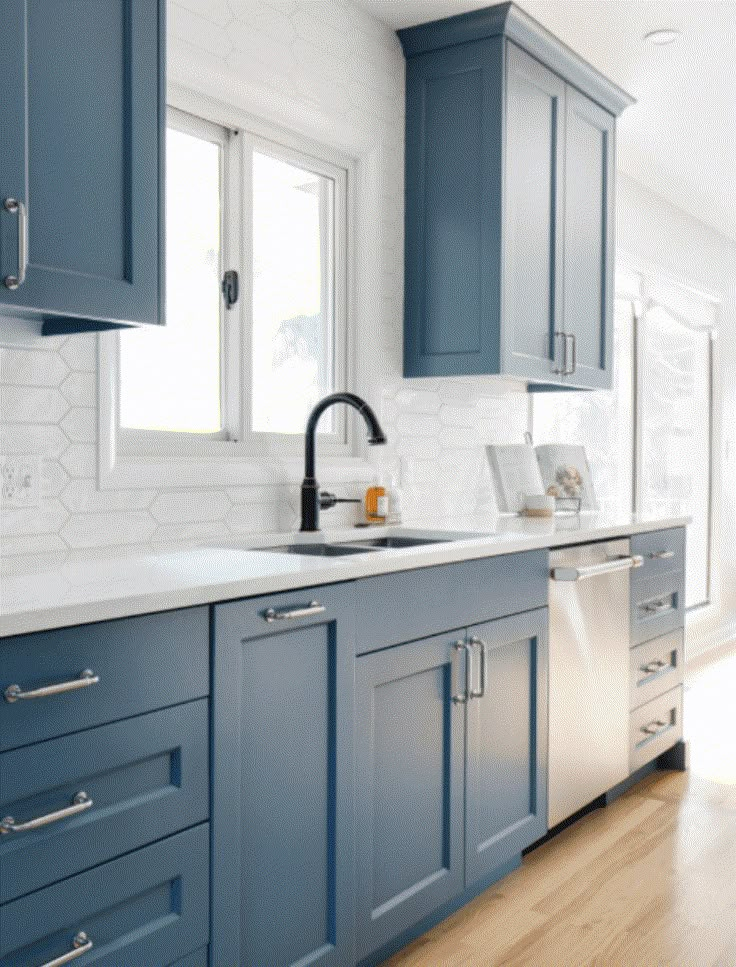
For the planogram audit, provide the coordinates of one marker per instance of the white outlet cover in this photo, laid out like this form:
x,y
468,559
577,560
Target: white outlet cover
x,y
20,480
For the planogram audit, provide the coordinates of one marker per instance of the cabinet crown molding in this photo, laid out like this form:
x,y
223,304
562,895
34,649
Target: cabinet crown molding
x,y
508,20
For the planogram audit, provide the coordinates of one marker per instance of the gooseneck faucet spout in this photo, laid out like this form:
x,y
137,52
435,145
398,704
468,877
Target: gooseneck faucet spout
x,y
310,487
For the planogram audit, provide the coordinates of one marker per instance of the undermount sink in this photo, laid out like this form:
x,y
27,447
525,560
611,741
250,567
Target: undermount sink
x,y
358,545
321,550
378,543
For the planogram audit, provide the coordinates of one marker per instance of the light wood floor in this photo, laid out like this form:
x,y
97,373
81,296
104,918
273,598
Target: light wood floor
x,y
648,882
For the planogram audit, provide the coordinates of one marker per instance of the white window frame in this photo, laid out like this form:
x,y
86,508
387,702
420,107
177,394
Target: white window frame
x,y
145,458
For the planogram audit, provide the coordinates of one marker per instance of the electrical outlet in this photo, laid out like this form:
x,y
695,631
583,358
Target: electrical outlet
x,y
20,481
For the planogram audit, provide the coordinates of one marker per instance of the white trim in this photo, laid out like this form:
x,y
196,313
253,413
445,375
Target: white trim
x,y
236,460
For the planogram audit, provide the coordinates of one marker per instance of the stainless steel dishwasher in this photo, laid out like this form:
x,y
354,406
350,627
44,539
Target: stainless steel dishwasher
x,y
588,673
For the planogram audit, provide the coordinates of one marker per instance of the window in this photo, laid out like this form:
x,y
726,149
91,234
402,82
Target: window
x,y
239,378
649,440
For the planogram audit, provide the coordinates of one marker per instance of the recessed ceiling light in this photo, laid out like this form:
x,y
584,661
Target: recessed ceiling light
x,y
662,37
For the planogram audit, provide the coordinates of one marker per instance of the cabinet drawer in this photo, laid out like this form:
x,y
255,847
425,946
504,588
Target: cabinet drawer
x,y
394,608
143,663
146,778
657,607
150,907
656,667
655,727
663,553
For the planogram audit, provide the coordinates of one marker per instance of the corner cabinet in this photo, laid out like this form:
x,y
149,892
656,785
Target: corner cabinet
x,y
81,162
283,780
509,203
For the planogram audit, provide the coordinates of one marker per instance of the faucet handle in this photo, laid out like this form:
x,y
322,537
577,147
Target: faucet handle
x,y
328,500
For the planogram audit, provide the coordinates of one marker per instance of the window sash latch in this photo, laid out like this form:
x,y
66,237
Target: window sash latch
x,y
230,288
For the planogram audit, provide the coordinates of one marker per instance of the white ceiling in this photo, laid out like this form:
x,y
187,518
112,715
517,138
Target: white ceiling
x,y
679,139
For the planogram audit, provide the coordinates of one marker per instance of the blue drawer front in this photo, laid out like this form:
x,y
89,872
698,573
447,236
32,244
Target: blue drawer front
x,y
198,959
394,608
663,553
147,777
657,606
144,663
147,909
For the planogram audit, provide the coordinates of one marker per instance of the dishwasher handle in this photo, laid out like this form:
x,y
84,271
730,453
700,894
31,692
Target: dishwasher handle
x,y
597,570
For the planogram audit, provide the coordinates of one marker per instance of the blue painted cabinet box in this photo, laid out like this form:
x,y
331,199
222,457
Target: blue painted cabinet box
x,y
509,203
81,162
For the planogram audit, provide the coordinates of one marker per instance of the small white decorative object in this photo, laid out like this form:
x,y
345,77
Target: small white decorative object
x,y
539,505
566,474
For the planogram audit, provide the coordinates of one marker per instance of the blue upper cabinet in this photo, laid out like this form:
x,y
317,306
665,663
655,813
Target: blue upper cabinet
x,y
81,162
509,203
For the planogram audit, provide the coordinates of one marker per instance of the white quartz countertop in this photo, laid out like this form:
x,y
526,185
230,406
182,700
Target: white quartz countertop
x,y
84,591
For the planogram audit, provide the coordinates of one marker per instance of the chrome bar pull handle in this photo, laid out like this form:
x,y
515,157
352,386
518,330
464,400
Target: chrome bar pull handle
x,y
560,335
14,693
597,570
313,608
460,698
654,666
479,643
16,207
654,728
657,607
80,804
661,556
81,945
572,339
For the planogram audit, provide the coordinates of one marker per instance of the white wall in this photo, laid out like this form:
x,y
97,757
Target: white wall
x,y
660,236
330,72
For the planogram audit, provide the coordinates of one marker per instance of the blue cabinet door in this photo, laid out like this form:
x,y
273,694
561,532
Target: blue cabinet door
x,y
81,147
533,228
506,771
589,228
453,210
409,773
282,809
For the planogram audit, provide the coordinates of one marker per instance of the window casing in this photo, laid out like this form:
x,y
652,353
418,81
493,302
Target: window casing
x,y
325,191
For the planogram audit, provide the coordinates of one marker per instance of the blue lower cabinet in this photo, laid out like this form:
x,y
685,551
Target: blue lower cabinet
x,y
282,808
506,771
200,958
150,907
124,785
409,770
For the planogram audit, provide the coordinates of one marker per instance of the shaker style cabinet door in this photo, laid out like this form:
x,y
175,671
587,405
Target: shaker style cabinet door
x,y
81,161
453,210
533,229
282,811
409,769
589,231
506,771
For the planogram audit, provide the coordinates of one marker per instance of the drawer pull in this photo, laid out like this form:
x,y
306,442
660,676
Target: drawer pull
x,y
81,945
80,804
657,607
654,666
661,555
314,607
14,693
654,728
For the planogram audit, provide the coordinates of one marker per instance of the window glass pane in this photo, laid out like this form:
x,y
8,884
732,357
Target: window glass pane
x,y
170,376
293,304
601,421
675,434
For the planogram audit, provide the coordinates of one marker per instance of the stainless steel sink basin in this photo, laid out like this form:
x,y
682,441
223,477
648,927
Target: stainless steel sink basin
x,y
321,550
397,541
